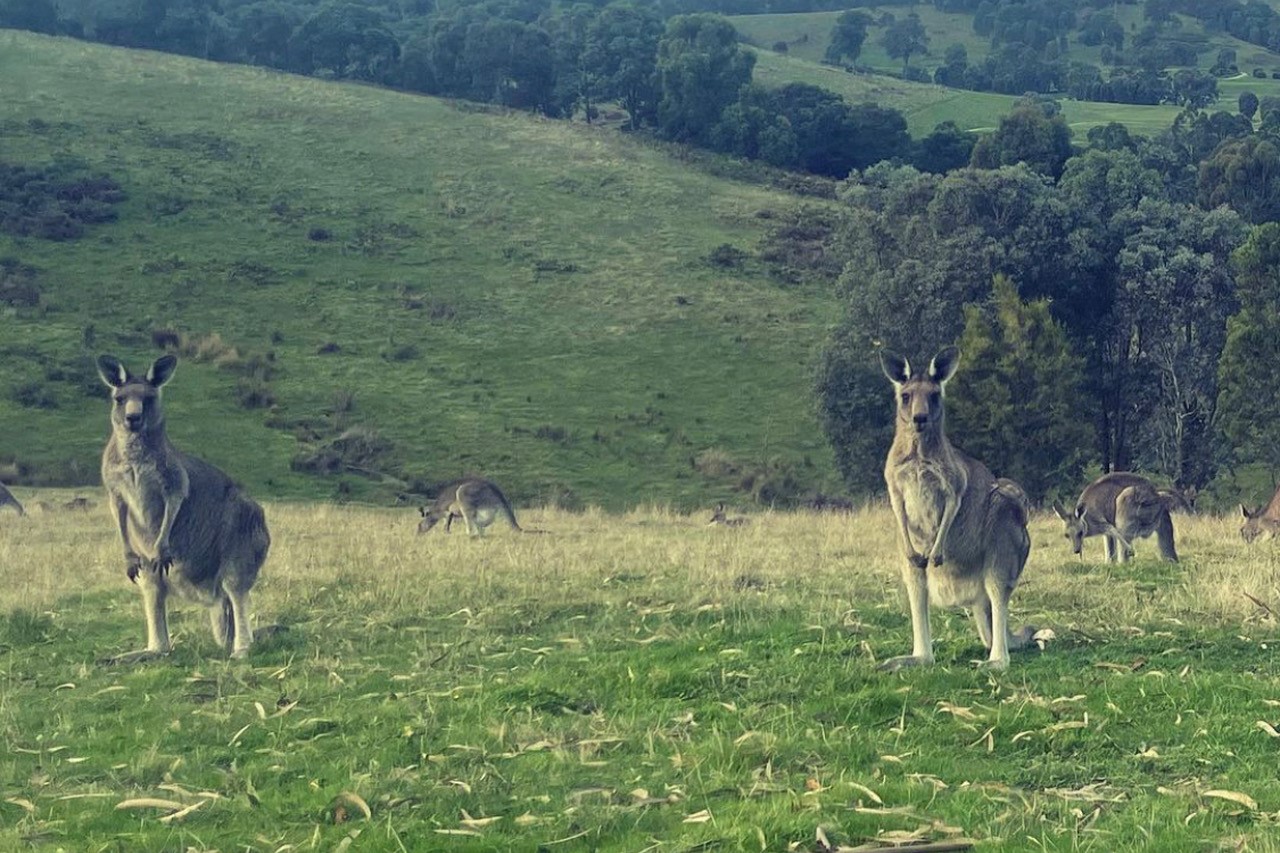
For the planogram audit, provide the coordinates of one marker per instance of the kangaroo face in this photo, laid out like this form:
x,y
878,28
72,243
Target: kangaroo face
x,y
1256,526
135,402
1074,527
430,518
919,397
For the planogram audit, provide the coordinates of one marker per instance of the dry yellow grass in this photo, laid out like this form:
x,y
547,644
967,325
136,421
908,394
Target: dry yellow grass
x,y
831,565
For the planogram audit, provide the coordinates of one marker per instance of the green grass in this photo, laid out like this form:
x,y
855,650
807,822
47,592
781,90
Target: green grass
x,y
523,298
635,680
925,105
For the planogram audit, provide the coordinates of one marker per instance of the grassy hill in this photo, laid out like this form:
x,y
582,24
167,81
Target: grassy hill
x,y
925,105
807,36
525,298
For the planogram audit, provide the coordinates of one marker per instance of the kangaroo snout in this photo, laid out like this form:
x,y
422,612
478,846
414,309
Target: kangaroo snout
x,y
133,421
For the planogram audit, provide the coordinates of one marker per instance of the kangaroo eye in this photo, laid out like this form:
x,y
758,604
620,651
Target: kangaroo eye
x,y
906,399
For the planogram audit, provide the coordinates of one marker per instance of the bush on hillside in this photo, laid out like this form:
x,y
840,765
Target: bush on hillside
x,y
54,202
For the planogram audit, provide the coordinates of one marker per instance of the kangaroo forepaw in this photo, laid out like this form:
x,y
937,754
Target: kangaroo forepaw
x,y
920,561
938,560
132,566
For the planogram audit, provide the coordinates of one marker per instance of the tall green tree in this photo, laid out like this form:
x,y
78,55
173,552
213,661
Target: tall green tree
x,y
1019,403
848,36
905,38
622,49
1168,330
1248,408
1028,134
702,69
1244,174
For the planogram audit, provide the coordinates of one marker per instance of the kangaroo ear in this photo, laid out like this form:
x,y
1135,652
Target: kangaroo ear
x,y
896,368
944,364
1245,511
1080,511
160,372
112,371
422,510
1061,511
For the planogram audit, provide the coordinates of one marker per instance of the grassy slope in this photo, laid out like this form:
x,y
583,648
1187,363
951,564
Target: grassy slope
x,y
635,680
809,33
560,250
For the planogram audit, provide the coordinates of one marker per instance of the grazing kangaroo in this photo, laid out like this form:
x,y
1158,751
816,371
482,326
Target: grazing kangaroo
x,y
718,518
1120,507
7,499
962,533
1179,500
1261,523
186,527
478,502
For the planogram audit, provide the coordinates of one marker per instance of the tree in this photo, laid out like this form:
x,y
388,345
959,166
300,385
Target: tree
x,y
622,48
1019,404
39,16
1244,174
1026,135
1168,330
345,40
262,29
946,147
701,69
1248,103
904,39
1194,89
847,37
1248,409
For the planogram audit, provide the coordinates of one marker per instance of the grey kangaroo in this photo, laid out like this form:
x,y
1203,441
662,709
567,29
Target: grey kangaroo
x,y
186,527
478,502
1120,507
720,519
962,533
7,499
1261,523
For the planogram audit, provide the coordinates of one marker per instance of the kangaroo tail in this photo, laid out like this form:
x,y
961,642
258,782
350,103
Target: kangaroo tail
x,y
507,510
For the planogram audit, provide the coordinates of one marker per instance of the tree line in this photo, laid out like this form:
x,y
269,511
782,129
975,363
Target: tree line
x,y
1115,303
1031,52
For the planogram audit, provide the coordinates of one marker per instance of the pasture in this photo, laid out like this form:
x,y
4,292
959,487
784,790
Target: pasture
x,y
635,682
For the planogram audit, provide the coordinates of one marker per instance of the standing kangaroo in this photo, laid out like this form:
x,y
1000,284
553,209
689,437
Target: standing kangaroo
x,y
962,533
1264,522
1120,507
7,499
186,527
478,502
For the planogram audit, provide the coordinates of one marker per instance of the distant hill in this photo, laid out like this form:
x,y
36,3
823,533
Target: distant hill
x,y
808,34
365,282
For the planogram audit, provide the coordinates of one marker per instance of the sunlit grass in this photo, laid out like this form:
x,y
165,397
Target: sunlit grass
x,y
631,680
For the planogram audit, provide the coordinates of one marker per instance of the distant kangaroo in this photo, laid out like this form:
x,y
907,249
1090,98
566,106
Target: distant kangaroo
x,y
478,502
962,533
1120,507
718,518
1261,523
186,527
7,499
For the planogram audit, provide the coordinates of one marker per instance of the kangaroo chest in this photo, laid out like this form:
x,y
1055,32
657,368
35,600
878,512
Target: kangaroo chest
x,y
142,488
923,486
